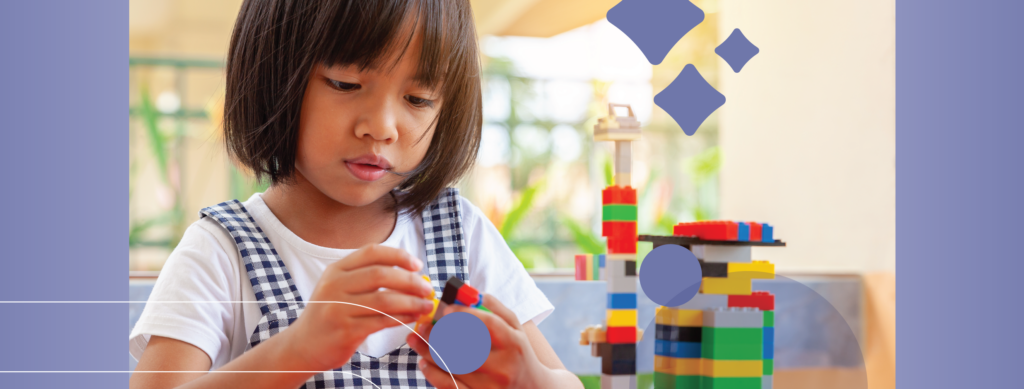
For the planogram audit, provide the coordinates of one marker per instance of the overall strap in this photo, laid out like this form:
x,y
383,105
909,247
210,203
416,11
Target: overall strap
x,y
442,236
273,285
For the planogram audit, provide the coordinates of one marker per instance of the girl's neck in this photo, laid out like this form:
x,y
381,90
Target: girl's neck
x,y
322,221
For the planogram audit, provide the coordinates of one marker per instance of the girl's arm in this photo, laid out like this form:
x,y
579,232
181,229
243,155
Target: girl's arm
x,y
166,355
560,377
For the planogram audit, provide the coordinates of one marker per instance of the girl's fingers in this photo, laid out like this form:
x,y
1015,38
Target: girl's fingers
x,y
391,303
501,332
380,255
373,277
380,322
440,378
499,309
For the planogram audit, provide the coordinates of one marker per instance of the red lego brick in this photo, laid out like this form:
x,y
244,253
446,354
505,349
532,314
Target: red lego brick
x,y
622,245
761,300
618,195
708,230
581,267
617,229
620,335
755,231
468,295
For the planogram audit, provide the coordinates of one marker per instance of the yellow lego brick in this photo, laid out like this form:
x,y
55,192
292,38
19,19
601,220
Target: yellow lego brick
x,y
727,368
688,318
621,318
663,364
590,267
663,315
686,366
716,285
755,269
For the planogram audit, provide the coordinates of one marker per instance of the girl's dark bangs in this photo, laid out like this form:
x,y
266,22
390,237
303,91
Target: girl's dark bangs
x,y
365,34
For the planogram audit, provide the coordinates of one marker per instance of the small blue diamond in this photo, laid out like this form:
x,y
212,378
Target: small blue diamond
x,y
655,25
736,50
689,99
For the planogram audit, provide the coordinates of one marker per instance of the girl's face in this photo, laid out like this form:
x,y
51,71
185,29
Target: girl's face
x,y
357,126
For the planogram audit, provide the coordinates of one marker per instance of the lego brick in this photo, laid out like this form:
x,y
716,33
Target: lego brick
x,y
663,364
468,296
767,232
731,368
621,300
686,317
754,269
622,246
618,195
620,257
755,231
716,253
712,269
618,229
726,286
767,367
622,335
593,334
742,232
621,317
609,381
581,267
451,290
623,179
663,315
595,267
595,349
769,318
623,156
730,382
618,367
601,260
618,212
677,366
758,299
678,334
733,318
688,241
673,349
618,283
589,271
702,301
708,230
766,382
732,336
663,380
768,344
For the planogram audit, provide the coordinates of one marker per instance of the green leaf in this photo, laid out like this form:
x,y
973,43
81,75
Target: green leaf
x,y
150,117
586,240
609,176
519,210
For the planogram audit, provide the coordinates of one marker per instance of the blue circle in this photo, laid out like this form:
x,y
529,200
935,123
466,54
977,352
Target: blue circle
x,y
670,275
463,342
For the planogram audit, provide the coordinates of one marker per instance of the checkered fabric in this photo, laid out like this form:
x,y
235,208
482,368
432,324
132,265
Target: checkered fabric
x,y
281,304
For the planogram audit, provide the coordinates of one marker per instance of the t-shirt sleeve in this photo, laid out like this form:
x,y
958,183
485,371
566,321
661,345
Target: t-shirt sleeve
x,y
198,270
495,270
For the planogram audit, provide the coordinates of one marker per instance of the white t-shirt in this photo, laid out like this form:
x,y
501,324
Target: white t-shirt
x,y
206,266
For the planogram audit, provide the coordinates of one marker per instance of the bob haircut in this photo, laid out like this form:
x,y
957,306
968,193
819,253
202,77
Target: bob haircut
x,y
276,44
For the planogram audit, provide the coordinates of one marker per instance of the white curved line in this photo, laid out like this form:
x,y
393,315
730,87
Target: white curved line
x,y
221,302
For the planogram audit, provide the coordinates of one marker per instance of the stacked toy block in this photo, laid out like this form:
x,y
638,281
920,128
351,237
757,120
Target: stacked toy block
x,y
723,338
615,340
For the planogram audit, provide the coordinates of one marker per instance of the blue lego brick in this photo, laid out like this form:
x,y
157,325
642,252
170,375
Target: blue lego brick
x,y
766,233
743,232
600,260
668,348
769,343
621,300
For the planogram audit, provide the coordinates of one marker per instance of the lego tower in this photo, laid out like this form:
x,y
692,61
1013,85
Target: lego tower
x,y
614,341
724,337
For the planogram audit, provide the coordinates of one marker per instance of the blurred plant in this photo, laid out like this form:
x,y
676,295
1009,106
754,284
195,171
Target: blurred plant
x,y
703,170
159,142
526,251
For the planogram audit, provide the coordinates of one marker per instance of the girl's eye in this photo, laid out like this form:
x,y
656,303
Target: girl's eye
x,y
420,102
343,86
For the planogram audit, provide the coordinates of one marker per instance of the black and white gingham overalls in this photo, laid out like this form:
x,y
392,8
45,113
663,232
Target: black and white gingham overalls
x,y
281,304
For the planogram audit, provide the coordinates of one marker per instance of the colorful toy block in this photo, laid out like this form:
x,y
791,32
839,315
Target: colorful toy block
x,y
721,254
618,195
766,382
621,300
450,296
769,318
424,319
726,286
708,230
713,269
754,269
593,335
767,366
702,301
622,335
730,382
622,246
768,336
609,381
618,212
621,318
616,229
600,264
733,318
755,231
581,267
678,334
742,232
761,300
727,368
617,128
766,233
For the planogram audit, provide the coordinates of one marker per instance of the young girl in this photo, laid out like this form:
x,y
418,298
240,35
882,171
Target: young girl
x,y
361,114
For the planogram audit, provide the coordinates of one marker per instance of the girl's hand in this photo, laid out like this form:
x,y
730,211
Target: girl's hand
x,y
512,362
326,335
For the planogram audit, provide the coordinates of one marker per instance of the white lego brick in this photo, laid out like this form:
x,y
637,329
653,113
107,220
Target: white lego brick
x,y
623,156
618,381
715,253
623,179
766,382
702,301
733,318
617,278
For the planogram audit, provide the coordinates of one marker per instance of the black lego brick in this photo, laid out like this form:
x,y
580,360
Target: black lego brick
x,y
714,269
630,268
677,334
618,367
451,290
686,241
612,351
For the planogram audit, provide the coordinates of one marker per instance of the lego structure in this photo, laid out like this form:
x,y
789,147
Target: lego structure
x,y
455,292
723,338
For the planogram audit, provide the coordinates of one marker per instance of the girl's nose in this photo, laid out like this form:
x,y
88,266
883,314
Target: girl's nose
x,y
378,122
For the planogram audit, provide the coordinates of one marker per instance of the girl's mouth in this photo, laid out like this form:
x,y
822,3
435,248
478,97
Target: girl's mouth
x,y
368,167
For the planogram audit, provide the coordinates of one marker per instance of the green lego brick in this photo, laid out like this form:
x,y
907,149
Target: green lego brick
x,y
731,336
664,380
769,318
730,383
688,381
618,212
739,352
768,366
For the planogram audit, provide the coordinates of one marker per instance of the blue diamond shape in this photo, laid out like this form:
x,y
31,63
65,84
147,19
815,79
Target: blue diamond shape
x,y
689,99
655,25
736,50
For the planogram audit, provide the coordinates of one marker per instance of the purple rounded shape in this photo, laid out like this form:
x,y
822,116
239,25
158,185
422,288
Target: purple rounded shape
x,y
463,342
670,275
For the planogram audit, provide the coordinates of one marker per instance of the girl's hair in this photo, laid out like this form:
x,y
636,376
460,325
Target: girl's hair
x,y
276,44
